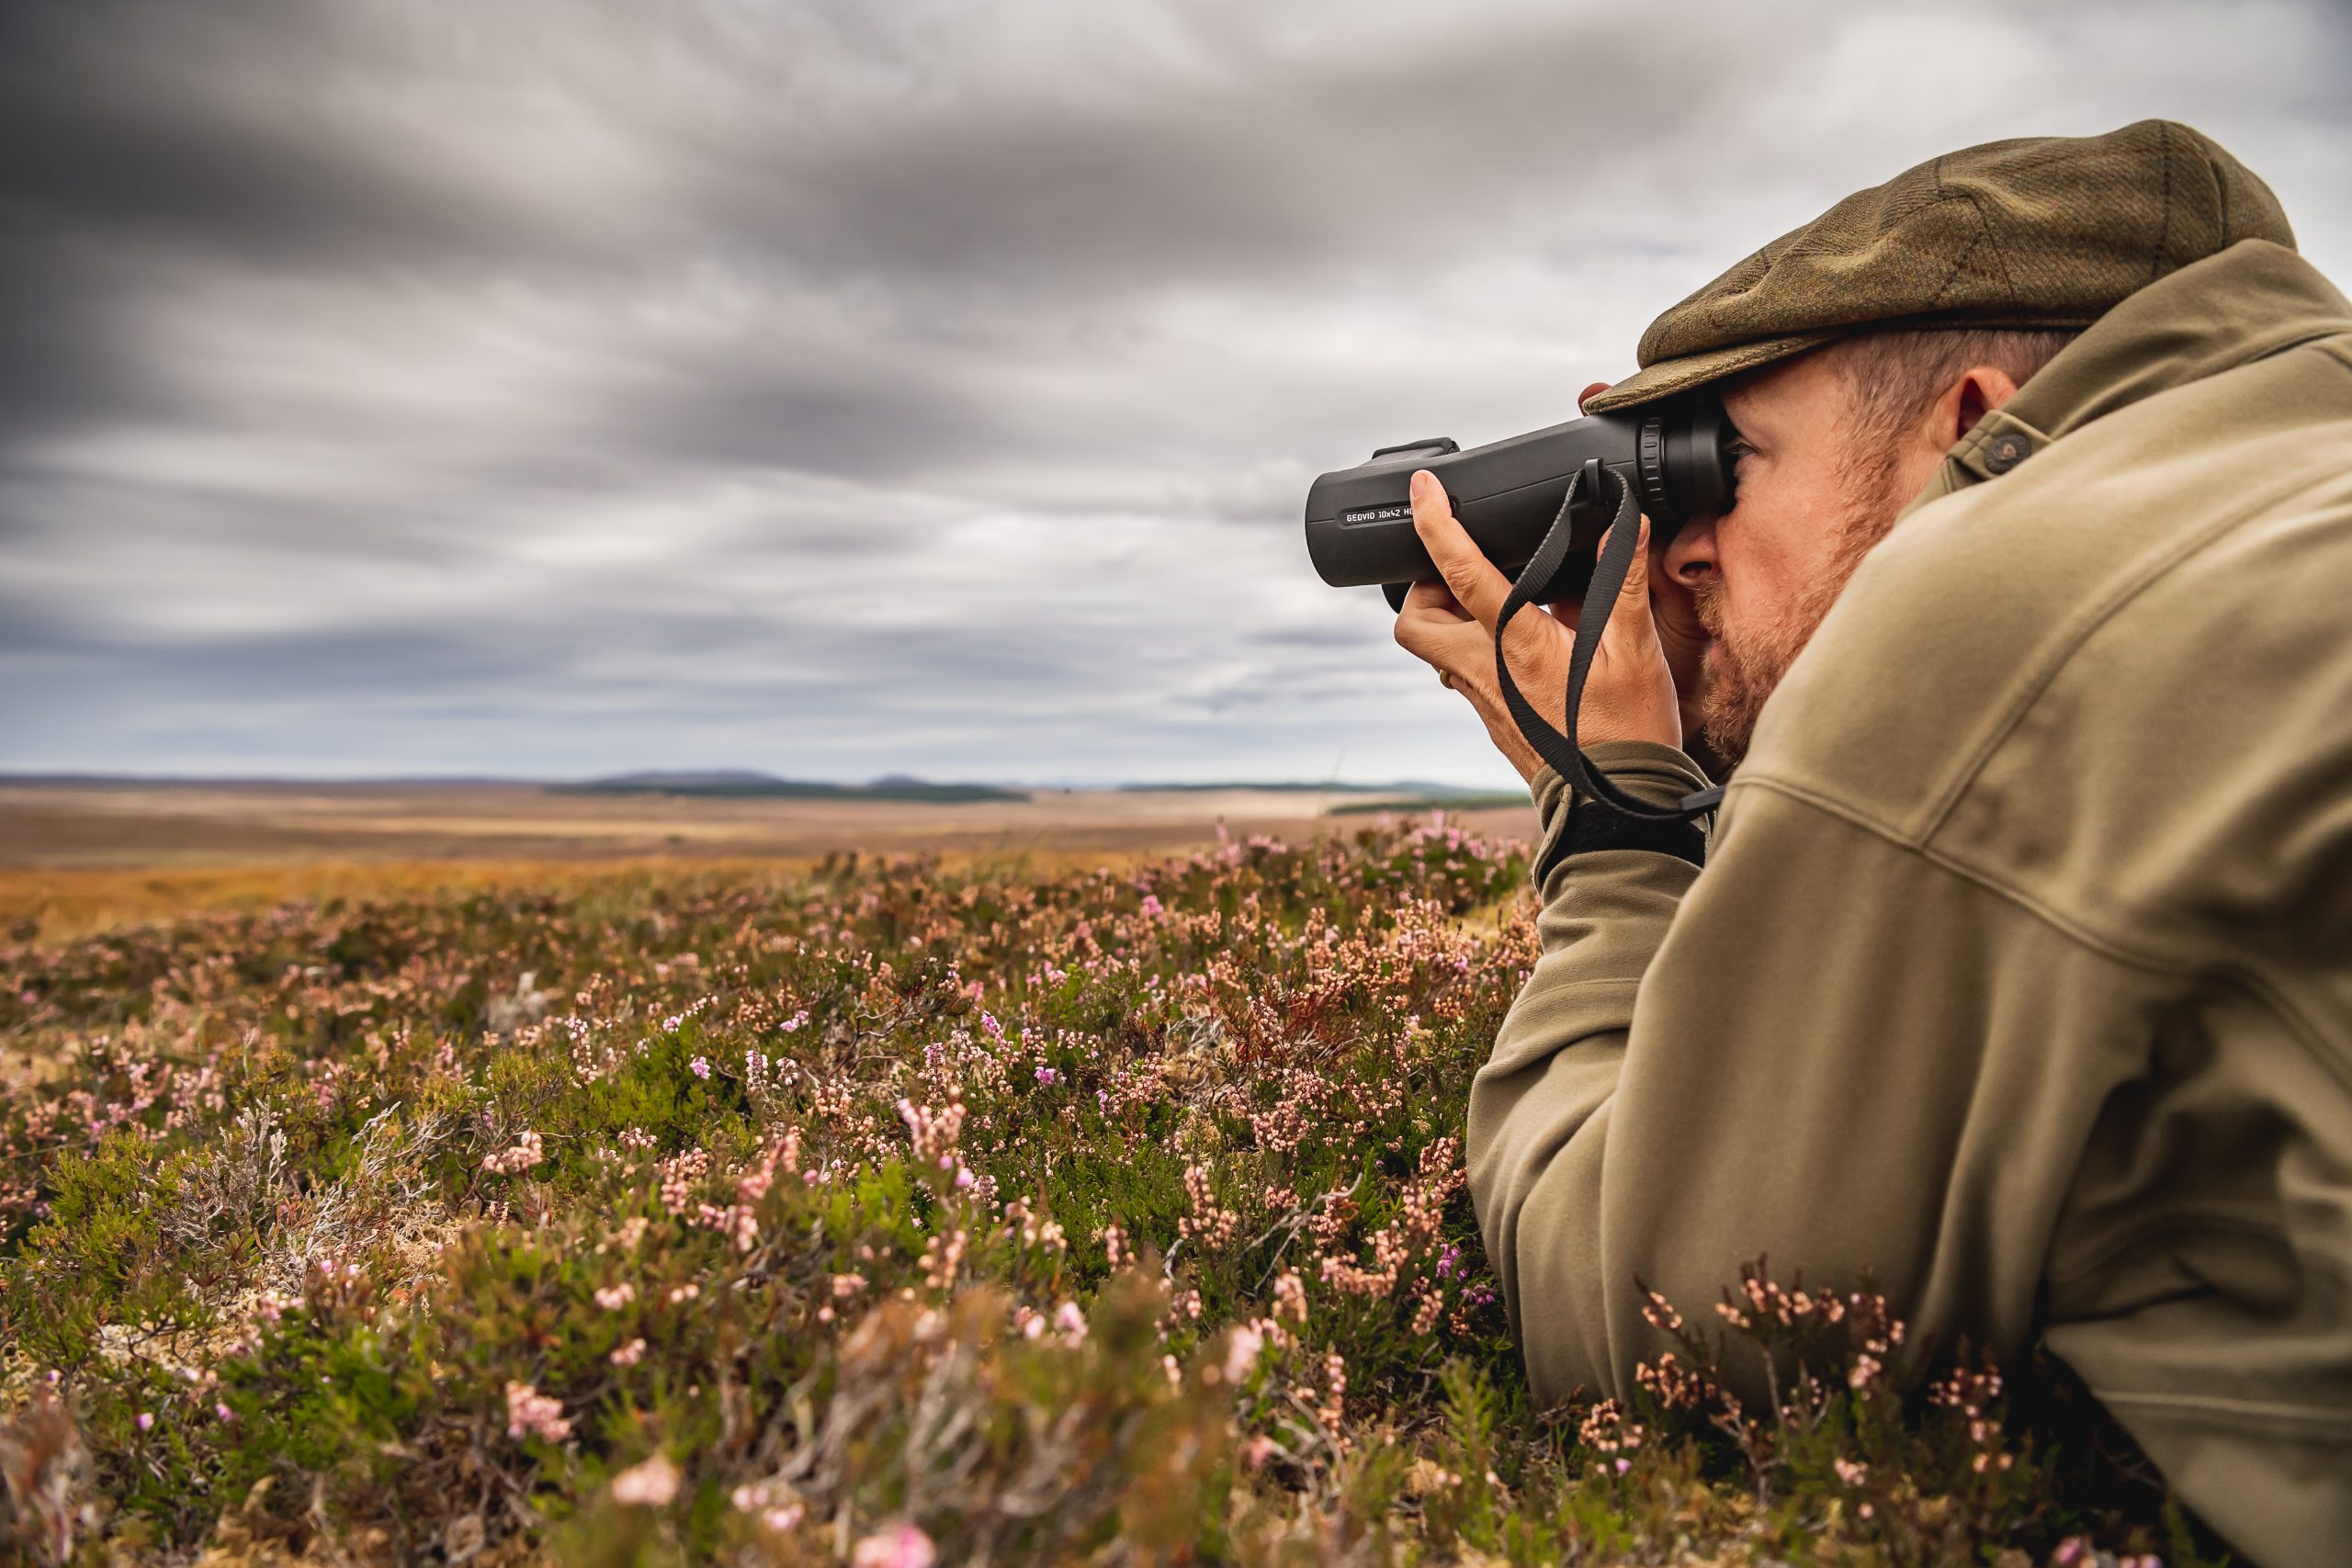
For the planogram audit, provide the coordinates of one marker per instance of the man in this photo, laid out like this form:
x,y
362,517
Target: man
x,y
2020,973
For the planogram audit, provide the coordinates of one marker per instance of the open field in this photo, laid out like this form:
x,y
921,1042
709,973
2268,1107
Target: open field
x,y
878,1212
80,857
194,826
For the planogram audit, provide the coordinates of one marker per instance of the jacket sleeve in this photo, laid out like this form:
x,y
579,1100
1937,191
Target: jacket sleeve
x,y
1555,1063
1795,1055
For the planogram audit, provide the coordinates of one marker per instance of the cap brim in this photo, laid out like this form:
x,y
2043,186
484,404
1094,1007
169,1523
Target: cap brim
x,y
1672,377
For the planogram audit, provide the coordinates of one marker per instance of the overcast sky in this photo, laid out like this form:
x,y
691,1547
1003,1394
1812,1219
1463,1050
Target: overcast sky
x,y
537,388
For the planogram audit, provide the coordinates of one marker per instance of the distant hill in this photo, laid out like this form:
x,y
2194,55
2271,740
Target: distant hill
x,y
683,779
740,782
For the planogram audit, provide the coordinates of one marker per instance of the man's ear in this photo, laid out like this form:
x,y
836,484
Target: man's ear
x,y
1978,392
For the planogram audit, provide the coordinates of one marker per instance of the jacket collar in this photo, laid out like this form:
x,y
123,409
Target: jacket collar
x,y
2235,307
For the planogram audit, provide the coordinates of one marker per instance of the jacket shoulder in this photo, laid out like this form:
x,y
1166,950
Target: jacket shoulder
x,y
2134,622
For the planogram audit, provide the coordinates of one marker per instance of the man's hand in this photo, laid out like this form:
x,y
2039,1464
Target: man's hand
x,y
1631,692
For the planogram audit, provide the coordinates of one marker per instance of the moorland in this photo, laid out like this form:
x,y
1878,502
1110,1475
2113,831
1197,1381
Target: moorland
x,y
881,1203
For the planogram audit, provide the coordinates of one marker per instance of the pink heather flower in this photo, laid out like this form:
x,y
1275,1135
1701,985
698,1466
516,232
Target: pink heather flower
x,y
223,1412
963,1177
525,1154
701,1065
1624,1465
650,1484
784,1521
1151,908
629,1355
1069,1320
530,1411
1047,1075
617,1297
1241,1352
146,1421
901,1546
1849,1473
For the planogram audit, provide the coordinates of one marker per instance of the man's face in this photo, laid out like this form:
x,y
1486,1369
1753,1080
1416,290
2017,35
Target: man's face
x,y
1809,508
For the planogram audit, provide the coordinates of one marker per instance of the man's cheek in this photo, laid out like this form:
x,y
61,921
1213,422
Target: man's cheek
x,y
1707,606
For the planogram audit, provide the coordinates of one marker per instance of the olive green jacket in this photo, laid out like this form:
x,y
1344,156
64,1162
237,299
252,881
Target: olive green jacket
x,y
2021,971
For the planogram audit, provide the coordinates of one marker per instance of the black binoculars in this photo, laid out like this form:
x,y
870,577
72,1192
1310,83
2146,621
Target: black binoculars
x,y
1674,457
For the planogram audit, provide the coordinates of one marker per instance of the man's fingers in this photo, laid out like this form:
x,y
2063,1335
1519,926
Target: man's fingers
x,y
1434,598
1638,576
1629,619
1477,585
1452,643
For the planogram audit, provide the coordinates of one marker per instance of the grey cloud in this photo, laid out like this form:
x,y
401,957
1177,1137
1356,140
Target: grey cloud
x,y
1262,163
1353,638
559,387
276,134
864,422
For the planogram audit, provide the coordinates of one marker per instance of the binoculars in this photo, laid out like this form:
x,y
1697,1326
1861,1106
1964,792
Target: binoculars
x,y
1674,457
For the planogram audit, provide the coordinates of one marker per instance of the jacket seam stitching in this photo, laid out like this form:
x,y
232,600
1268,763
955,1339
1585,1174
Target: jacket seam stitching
x,y
1620,982
2013,713
2072,930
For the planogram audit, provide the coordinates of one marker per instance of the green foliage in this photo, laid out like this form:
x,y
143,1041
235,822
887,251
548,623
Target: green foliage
x,y
1094,1216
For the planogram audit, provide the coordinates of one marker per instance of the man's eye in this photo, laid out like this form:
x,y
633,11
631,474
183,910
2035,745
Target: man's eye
x,y
1739,449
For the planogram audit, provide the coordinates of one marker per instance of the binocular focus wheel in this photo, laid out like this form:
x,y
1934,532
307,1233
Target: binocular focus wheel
x,y
1395,593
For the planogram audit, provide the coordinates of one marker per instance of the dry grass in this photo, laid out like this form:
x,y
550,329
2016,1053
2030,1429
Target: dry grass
x,y
78,860
66,905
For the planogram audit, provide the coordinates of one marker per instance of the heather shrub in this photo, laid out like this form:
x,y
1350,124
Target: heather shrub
x,y
880,1213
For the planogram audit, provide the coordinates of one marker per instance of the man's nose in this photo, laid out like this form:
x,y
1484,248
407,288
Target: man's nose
x,y
1691,555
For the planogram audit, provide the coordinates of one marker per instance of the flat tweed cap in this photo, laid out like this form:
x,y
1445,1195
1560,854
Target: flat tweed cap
x,y
2045,231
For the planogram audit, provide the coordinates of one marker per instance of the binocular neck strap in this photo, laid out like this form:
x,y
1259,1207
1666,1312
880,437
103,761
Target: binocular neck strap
x,y
1561,750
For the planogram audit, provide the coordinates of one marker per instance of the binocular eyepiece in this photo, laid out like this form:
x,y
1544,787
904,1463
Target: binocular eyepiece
x,y
1675,458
